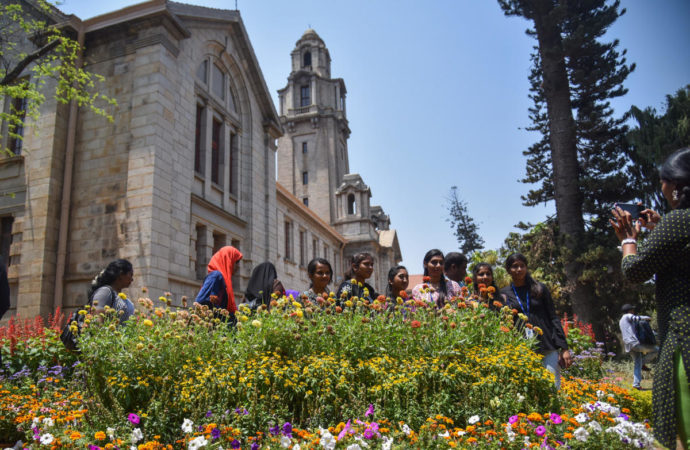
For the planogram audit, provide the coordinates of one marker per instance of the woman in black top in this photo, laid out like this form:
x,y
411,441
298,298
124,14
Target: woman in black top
x,y
355,285
533,299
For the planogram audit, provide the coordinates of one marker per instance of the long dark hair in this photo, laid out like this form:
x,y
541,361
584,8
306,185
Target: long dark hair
x,y
110,274
311,269
391,276
676,169
535,289
475,272
356,259
442,288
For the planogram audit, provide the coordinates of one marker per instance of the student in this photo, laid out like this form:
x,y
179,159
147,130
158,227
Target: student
x,y
641,353
262,283
483,275
455,267
398,280
107,285
355,284
216,292
320,275
438,289
533,299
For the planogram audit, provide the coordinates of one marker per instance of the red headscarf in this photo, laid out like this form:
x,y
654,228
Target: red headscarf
x,y
224,261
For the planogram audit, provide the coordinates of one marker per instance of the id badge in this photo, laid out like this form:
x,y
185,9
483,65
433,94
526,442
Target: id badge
x,y
529,333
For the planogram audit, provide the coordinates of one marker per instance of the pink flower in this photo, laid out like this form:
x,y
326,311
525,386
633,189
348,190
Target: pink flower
x,y
540,430
555,418
513,419
345,430
370,411
133,418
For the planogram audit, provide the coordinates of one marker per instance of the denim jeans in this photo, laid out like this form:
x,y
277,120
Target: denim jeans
x,y
641,354
550,362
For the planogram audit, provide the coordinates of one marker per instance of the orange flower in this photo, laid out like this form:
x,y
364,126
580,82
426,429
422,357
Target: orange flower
x,y
338,309
481,286
528,325
99,436
468,280
568,435
426,278
498,304
491,289
471,440
75,435
415,324
504,329
403,294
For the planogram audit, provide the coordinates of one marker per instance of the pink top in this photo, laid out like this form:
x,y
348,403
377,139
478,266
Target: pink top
x,y
452,287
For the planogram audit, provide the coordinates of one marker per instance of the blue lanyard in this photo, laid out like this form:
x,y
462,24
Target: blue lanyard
x,y
526,311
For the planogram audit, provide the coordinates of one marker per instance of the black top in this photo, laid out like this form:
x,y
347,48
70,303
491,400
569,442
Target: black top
x,y
353,290
541,314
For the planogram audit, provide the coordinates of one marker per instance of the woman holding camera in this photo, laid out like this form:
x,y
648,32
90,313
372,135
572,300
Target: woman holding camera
x,y
665,255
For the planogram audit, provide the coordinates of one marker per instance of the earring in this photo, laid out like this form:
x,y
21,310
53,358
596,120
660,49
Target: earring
x,y
674,195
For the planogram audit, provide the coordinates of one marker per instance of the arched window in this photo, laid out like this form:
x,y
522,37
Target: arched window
x,y
351,205
306,60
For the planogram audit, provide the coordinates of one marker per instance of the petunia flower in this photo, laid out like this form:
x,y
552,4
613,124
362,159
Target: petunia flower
x,y
513,419
235,444
287,429
133,418
556,419
540,430
215,434
46,439
187,426
370,410
472,420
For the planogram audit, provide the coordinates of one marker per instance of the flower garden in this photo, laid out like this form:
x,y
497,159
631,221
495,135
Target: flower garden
x,y
389,374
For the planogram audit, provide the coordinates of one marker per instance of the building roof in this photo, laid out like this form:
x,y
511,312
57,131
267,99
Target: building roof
x,y
389,239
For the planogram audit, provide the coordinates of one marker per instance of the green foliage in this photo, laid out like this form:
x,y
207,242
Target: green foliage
x,y
33,51
462,224
655,137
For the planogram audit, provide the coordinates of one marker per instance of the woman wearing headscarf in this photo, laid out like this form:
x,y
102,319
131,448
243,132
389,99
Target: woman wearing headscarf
x,y
216,292
263,282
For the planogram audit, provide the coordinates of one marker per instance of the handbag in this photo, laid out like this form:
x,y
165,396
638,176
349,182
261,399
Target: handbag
x,y
70,335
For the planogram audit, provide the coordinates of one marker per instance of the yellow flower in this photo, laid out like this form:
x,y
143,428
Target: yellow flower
x,y
538,331
522,317
82,312
99,435
140,346
244,318
348,304
353,281
162,299
297,304
399,301
122,296
148,323
299,313
256,323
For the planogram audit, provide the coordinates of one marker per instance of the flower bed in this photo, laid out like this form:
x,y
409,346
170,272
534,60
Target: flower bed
x,y
389,375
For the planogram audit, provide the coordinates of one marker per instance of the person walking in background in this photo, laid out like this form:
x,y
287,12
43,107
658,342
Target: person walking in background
x,y
216,292
641,353
106,288
533,299
455,267
665,254
438,289
355,284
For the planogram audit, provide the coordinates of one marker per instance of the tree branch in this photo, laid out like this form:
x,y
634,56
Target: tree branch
x,y
10,77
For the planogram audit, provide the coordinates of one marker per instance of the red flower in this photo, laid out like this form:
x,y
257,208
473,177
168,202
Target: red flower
x,y
415,324
426,278
504,329
468,280
403,294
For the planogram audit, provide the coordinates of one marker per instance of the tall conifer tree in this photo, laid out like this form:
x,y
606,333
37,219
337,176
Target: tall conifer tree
x,y
579,160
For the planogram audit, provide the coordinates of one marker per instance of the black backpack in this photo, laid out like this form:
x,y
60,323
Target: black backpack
x,y
644,332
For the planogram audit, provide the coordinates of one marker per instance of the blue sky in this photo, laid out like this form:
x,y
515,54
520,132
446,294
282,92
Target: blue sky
x,y
437,96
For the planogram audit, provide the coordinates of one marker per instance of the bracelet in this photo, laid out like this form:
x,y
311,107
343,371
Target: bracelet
x,y
629,241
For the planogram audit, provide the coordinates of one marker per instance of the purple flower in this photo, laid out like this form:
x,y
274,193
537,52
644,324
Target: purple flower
x,y
133,418
540,430
371,431
370,411
241,411
555,418
215,434
274,430
202,428
624,416
513,419
235,444
94,447
255,446
209,413
37,432
287,429
344,431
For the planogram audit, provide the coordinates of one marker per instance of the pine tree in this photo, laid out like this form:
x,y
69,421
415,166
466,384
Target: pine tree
x,y
579,159
463,226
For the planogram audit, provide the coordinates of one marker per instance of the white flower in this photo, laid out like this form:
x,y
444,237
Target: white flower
x,y
472,420
461,433
406,429
110,431
197,442
137,435
134,447
582,418
285,442
327,440
594,426
520,397
527,442
296,447
354,447
48,422
581,434
600,393
46,439
387,443
187,426
444,435
35,422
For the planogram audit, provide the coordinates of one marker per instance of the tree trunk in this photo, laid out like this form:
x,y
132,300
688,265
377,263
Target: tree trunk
x,y
563,141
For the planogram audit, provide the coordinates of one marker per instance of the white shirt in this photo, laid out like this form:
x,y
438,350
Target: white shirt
x,y
628,331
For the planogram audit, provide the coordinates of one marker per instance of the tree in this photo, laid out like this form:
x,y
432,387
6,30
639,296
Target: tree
x,y
654,138
37,44
579,159
463,226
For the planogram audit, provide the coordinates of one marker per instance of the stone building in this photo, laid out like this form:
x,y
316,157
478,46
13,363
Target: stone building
x,y
187,166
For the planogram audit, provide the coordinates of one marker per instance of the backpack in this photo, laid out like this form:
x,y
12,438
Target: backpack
x,y
643,332
69,336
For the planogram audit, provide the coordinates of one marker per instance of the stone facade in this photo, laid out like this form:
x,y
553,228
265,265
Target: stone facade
x,y
187,166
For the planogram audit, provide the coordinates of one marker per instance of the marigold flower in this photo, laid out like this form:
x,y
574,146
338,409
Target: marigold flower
x,y
415,324
505,329
99,435
148,323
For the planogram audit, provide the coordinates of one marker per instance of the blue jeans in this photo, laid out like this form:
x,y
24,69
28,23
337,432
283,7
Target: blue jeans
x,y
641,354
550,362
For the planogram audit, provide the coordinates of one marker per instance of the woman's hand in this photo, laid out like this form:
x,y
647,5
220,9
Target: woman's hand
x,y
649,218
623,224
565,359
